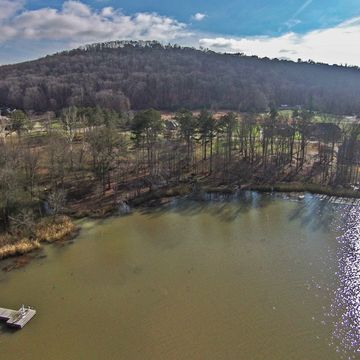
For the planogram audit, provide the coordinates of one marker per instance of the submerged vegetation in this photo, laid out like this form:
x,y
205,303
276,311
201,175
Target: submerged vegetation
x,y
92,161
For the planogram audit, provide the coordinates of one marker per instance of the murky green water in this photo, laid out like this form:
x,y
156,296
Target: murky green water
x,y
252,278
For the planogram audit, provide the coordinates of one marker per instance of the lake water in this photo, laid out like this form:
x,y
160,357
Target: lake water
x,y
256,277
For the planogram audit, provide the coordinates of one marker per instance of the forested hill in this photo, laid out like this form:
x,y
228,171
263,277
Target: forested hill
x,y
141,75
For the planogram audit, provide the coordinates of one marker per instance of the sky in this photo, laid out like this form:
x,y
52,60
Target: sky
x,y
321,30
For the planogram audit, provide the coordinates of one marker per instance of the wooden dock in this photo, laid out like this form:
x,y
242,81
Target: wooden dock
x,y
17,318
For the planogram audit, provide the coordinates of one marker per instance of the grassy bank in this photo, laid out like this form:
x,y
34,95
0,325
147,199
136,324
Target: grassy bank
x,y
47,230
21,247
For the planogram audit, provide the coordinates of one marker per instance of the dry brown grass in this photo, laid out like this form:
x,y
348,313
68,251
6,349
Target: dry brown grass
x,y
47,230
50,231
18,248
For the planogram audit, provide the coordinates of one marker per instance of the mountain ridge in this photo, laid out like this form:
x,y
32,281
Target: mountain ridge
x,y
143,74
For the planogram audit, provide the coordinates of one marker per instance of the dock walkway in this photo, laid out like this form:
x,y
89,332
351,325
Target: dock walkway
x,y
17,318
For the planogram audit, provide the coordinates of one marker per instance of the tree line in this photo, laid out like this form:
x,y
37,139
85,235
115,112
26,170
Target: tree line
x,y
141,75
95,152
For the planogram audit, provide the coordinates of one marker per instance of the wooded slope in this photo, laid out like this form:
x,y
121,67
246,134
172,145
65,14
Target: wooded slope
x,y
140,75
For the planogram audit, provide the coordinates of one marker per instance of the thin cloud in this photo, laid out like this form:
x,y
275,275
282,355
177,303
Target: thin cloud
x,y
302,8
198,17
293,21
336,45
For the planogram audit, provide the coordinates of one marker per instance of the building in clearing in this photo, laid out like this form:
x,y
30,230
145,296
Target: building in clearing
x,y
327,132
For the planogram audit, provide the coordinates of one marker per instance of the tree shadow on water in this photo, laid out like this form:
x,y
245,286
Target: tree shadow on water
x,y
225,208
318,213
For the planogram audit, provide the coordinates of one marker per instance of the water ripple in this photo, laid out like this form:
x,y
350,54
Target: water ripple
x,y
346,307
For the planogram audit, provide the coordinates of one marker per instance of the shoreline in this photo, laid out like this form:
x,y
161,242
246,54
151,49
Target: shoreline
x,y
46,232
154,198
314,189
65,229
